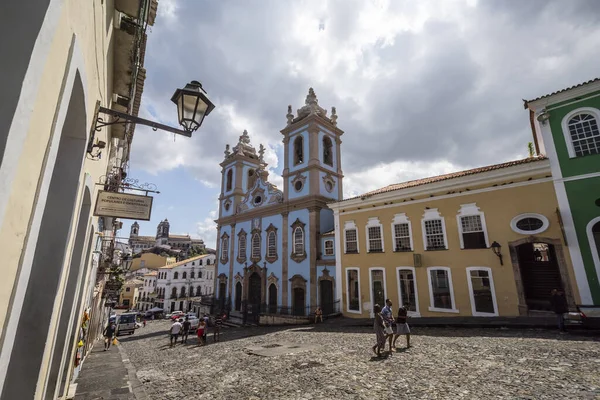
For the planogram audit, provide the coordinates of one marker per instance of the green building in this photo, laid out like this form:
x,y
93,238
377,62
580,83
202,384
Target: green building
x,y
565,127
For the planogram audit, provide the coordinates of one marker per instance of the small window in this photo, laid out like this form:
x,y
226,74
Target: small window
x,y
298,185
229,180
472,232
375,245
329,247
351,240
327,151
434,230
298,150
529,224
128,289
224,248
258,199
176,275
184,275
585,136
299,241
441,293
401,231
256,246
272,245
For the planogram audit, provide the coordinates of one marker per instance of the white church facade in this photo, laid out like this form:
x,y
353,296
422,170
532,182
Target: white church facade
x,y
275,250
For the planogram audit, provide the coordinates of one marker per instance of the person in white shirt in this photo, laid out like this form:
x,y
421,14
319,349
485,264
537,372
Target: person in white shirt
x,y
175,330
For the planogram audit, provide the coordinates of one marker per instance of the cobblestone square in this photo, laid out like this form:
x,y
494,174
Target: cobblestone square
x,y
339,364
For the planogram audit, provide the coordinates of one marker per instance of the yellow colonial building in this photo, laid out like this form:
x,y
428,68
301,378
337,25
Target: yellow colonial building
x,y
481,242
147,262
130,293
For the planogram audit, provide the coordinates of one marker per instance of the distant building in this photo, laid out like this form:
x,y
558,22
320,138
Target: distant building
x,y
147,292
179,244
148,262
180,284
130,293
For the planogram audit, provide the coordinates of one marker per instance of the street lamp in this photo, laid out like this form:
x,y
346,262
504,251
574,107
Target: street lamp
x,y
496,248
126,261
192,103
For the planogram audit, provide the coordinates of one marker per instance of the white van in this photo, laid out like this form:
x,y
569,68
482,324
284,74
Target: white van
x,y
126,323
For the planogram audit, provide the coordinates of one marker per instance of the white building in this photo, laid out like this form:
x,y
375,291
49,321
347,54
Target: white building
x,y
147,295
179,284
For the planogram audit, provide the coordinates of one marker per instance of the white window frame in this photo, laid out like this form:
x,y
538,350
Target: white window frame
x,y
429,215
472,295
374,222
295,243
470,210
274,247
417,312
453,300
402,219
565,126
385,295
348,292
325,247
545,223
349,225
593,249
256,234
224,248
241,254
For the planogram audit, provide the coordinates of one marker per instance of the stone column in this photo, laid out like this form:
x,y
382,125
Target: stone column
x,y
314,228
285,257
231,260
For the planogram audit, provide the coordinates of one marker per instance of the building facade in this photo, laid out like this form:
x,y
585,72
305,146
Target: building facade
x,y
148,262
130,293
182,245
270,248
147,297
179,285
565,126
67,59
431,244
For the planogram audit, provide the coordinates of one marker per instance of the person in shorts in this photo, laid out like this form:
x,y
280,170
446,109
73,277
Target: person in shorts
x,y
402,326
217,327
174,331
186,330
108,333
200,332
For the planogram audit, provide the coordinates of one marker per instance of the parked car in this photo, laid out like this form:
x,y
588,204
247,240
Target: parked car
x,y
590,316
194,322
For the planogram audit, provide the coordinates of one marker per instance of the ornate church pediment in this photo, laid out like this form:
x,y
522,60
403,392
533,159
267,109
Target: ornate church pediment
x,y
260,194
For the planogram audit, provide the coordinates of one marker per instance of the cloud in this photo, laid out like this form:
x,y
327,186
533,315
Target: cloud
x,y
421,88
207,230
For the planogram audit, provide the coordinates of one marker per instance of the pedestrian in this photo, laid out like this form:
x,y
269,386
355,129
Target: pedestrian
x,y
144,322
108,334
560,307
206,321
200,332
186,330
318,315
402,326
379,334
217,327
388,321
174,331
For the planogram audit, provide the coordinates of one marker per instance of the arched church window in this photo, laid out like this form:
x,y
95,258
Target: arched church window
x,y
184,275
176,275
224,249
327,151
241,247
229,180
298,150
272,244
299,241
585,135
256,246
251,179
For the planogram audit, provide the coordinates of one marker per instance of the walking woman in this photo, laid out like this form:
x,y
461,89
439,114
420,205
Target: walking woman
x,y
379,333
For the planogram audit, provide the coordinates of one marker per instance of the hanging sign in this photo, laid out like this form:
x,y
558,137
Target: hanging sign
x,y
123,205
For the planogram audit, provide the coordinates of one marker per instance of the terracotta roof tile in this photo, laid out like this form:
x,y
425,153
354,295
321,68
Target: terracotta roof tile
x,y
177,264
562,90
439,178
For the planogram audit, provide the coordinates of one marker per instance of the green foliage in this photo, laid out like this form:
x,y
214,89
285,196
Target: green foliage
x,y
530,149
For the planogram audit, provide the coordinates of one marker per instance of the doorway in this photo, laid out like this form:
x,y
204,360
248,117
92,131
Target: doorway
x,y
299,301
540,274
377,288
326,291
272,299
238,296
254,290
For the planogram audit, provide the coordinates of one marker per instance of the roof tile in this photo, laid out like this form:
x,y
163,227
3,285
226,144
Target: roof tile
x,y
562,90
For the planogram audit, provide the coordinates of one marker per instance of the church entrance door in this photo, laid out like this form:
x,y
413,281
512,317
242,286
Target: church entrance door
x,y
326,288
238,296
254,290
299,301
272,299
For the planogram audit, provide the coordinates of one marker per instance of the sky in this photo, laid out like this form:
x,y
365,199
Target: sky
x,y
421,88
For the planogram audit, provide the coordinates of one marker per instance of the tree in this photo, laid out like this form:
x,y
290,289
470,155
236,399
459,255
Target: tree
x,y
530,149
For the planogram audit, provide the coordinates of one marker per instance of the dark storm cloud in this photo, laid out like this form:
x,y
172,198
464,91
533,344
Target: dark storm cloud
x,y
450,90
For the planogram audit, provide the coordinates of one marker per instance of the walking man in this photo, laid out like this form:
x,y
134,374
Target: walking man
x,y
217,328
108,334
186,330
560,307
174,331
388,321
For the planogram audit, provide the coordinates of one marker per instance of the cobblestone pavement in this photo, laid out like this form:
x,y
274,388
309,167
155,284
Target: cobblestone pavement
x,y
441,364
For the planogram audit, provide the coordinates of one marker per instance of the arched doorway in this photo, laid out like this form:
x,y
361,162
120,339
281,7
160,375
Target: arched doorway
x,y
254,290
326,293
54,213
540,274
272,298
238,296
299,301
